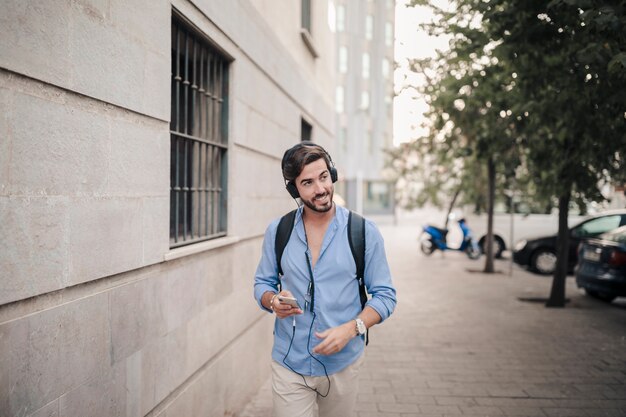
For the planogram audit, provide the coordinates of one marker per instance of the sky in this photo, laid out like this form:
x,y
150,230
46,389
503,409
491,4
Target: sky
x,y
411,42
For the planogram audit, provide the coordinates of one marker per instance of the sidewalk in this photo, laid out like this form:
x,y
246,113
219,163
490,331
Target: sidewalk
x,y
463,343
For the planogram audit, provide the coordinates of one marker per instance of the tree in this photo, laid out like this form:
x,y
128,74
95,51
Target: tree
x,y
533,87
471,128
571,76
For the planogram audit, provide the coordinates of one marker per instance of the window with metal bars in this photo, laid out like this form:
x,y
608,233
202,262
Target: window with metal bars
x,y
199,140
306,130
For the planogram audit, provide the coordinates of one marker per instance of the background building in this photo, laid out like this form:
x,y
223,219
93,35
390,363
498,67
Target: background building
x,y
363,101
140,145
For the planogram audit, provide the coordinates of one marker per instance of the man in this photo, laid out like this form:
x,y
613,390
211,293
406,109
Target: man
x,y
319,344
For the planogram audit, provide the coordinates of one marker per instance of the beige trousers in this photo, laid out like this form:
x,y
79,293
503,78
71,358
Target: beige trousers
x,y
292,398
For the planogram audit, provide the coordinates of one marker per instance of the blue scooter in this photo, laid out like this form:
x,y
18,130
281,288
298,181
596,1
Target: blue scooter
x,y
433,238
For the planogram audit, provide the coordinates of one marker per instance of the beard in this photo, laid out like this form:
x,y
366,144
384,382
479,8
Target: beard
x,y
320,208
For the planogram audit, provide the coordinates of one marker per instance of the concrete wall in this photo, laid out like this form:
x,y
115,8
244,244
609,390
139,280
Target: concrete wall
x,y
98,316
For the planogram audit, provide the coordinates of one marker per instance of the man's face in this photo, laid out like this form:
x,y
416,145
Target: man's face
x,y
315,186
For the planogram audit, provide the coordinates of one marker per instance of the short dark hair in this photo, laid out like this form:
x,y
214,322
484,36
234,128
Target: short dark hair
x,y
299,155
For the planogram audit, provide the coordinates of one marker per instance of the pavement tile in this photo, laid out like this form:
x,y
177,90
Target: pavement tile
x,y
556,391
481,410
376,398
455,401
367,390
507,392
610,404
406,390
515,402
441,384
398,408
430,391
468,391
616,395
596,388
415,382
581,403
377,414
416,399
606,412
523,411
565,412
440,409
365,406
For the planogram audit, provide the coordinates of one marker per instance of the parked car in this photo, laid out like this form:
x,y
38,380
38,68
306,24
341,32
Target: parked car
x,y
519,226
539,254
601,270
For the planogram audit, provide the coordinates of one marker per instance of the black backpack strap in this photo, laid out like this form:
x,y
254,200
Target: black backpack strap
x,y
356,238
283,233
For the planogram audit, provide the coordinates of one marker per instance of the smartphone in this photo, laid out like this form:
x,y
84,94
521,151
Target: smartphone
x,y
289,300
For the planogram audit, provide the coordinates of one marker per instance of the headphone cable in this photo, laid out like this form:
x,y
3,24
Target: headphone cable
x,y
308,348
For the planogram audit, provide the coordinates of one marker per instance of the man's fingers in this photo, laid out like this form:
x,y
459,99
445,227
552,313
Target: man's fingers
x,y
326,348
322,335
320,349
286,311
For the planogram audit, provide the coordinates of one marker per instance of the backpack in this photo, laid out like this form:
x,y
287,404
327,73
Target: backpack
x,y
356,239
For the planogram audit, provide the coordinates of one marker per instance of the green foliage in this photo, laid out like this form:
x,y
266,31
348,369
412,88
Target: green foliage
x,y
470,96
571,80
539,86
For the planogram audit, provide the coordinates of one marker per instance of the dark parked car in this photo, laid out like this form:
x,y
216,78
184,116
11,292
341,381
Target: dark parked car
x,y
540,254
601,270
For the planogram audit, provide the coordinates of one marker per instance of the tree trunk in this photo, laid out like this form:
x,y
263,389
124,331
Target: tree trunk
x,y
488,243
451,206
557,293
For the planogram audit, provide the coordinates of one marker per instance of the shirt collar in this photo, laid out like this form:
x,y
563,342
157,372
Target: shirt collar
x,y
338,222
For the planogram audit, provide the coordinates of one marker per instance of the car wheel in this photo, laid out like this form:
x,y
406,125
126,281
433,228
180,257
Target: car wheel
x,y
426,244
600,295
543,261
498,246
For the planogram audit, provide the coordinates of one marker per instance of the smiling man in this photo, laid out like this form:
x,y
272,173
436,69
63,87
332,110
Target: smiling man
x,y
320,325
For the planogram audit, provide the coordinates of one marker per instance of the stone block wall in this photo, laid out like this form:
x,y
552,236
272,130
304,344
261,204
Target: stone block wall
x,y
83,180
98,316
139,344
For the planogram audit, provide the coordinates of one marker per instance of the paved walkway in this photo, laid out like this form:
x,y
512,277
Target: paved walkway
x,y
463,343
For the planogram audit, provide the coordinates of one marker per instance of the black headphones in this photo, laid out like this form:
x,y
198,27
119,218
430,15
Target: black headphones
x,y
290,185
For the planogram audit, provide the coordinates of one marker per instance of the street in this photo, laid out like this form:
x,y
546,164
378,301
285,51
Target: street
x,y
465,342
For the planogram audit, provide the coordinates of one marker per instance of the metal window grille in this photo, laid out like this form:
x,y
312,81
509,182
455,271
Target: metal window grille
x,y
198,132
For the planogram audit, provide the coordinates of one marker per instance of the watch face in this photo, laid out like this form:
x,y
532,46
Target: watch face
x,y
360,326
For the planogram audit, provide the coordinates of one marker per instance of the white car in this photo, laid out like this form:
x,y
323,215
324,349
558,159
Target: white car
x,y
508,230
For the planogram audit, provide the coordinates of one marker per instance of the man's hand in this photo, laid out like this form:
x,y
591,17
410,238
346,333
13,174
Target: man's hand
x,y
335,338
283,310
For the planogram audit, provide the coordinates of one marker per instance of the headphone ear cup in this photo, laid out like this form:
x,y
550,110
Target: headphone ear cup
x,y
333,174
292,189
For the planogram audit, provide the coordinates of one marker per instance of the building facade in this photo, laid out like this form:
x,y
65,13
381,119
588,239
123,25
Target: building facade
x,y
364,32
140,148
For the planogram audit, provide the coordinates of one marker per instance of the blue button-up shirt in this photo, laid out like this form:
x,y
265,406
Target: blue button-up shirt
x,y
336,292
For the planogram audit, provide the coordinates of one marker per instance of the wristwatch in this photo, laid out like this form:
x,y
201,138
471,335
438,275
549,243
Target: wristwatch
x,y
360,327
